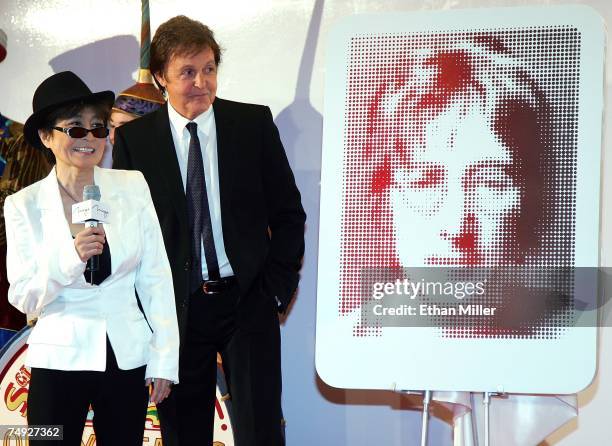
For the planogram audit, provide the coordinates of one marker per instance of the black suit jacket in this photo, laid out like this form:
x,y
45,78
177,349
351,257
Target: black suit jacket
x,y
261,211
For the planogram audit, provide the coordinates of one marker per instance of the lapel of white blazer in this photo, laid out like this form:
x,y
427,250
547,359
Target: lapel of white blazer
x,y
110,196
55,229
49,202
55,226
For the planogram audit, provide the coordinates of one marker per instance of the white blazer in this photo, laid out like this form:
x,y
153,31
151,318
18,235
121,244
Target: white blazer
x,y
46,277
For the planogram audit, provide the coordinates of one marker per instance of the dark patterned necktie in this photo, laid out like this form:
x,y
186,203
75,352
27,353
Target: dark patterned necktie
x,y
199,214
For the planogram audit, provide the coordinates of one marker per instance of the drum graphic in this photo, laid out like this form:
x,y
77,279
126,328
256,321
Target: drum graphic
x,y
14,384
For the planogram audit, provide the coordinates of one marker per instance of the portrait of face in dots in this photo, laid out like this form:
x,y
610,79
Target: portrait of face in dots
x,y
467,133
460,151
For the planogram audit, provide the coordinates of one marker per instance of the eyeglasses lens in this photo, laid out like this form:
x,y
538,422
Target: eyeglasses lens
x,y
80,132
100,132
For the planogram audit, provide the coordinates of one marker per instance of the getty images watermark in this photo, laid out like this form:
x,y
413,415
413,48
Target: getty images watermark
x,y
413,290
500,299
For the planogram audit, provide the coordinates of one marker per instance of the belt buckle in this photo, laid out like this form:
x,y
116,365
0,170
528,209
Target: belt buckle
x,y
209,285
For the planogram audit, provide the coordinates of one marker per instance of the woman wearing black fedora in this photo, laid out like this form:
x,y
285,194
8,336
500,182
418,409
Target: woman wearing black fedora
x,y
92,343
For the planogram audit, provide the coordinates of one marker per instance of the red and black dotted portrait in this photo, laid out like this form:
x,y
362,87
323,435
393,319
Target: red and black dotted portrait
x,y
460,150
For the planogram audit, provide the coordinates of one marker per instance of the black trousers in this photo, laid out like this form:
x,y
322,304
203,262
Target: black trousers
x,y
119,399
251,362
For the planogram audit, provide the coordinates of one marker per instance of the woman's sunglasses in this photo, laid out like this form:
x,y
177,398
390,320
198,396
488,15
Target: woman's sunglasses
x,y
81,132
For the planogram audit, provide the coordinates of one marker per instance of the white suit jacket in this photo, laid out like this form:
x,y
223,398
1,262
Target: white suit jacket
x,y
46,277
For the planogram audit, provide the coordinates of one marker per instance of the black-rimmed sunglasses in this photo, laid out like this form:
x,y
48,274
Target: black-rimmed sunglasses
x,y
81,132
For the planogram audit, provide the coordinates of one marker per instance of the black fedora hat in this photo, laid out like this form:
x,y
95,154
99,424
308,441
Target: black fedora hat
x,y
56,91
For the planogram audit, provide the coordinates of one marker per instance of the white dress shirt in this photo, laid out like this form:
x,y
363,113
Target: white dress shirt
x,y
207,133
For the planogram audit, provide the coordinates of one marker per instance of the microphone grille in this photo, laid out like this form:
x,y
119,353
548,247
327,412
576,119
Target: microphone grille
x,y
91,192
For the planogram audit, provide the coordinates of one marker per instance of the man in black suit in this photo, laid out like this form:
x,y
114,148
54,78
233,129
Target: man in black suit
x,y
233,226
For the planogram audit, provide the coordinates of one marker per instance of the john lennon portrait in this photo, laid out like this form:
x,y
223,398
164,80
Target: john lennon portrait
x,y
459,151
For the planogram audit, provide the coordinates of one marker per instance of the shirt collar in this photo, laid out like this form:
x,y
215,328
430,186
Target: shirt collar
x,y
179,122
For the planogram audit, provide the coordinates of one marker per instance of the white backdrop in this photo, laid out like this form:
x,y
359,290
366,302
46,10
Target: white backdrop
x,y
274,55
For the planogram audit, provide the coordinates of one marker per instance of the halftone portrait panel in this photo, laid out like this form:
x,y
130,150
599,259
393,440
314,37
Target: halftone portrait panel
x,y
460,149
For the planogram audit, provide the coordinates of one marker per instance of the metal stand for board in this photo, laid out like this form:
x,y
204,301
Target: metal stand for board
x,y
486,402
425,417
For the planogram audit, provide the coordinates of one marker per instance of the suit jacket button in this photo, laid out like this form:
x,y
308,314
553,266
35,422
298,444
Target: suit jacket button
x,y
187,265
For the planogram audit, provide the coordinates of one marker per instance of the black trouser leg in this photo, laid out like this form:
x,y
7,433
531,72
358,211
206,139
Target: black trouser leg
x,y
119,399
120,405
211,321
195,393
61,398
251,361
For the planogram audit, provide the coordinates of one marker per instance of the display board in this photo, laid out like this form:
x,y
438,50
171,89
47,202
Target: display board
x,y
459,225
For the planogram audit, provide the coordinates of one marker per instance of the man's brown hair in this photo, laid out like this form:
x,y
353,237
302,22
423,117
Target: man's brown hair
x,y
180,36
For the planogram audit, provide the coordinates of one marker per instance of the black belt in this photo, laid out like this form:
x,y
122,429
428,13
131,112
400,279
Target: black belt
x,y
218,286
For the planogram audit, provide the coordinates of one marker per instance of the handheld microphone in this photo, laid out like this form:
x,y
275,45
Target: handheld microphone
x,y
90,212
92,192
